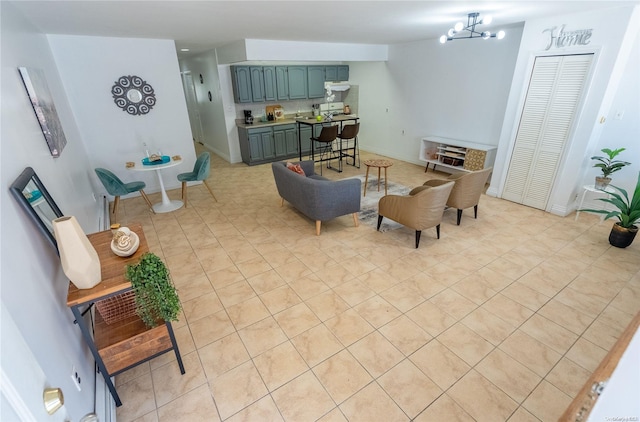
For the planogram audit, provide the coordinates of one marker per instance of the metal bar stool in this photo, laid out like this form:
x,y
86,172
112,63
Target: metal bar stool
x,y
327,153
350,132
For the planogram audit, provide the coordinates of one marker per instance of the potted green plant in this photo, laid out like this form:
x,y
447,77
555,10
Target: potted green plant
x,y
608,166
156,297
628,214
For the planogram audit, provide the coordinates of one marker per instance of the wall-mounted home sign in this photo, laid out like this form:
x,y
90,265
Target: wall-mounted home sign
x,y
561,39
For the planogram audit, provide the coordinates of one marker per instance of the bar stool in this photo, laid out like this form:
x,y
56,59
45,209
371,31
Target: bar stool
x,y
326,138
350,132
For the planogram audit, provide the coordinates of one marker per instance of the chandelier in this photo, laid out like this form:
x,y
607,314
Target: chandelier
x,y
473,19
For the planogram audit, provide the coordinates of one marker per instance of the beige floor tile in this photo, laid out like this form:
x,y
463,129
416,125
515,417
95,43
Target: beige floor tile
x,y
149,417
225,277
510,268
453,303
405,335
406,377
440,364
335,415
586,354
568,377
376,354
377,311
253,267
170,384
262,410
293,271
628,300
481,399
446,274
508,374
581,302
196,405
508,309
488,326
354,292
546,402
335,275
193,288
248,312
236,389
522,415
211,328
377,280
358,266
548,332
137,398
525,296
615,318
444,409
135,372
235,293
348,327
280,298
565,316
326,305
222,356
465,343
296,319
342,376
202,306
316,344
602,334
426,285
530,352
431,318
266,282
403,296
303,399
262,336
372,403
473,288
280,365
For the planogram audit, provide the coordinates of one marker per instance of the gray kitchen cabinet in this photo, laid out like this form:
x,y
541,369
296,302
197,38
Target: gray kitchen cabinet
x,y
331,73
305,139
315,80
285,138
241,82
280,141
343,73
252,144
297,79
257,83
282,83
269,75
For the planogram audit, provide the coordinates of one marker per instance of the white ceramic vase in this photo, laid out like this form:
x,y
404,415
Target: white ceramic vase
x,y
80,261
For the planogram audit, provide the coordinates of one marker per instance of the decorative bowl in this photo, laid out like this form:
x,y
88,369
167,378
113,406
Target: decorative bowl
x,y
125,242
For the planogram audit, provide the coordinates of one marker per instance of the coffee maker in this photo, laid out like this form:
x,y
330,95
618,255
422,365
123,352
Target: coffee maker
x,y
248,118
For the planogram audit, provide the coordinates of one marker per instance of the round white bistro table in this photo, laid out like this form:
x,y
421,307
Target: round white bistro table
x,y
166,205
592,188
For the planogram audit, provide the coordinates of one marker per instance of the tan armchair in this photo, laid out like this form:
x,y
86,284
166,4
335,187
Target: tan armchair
x,y
467,190
421,209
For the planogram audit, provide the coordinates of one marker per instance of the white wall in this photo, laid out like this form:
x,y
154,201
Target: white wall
x,y
457,90
313,51
211,112
610,30
89,67
33,287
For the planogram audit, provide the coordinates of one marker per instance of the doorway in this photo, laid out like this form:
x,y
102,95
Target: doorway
x,y
550,109
192,107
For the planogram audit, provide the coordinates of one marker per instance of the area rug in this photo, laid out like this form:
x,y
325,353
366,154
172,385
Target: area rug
x,y
369,204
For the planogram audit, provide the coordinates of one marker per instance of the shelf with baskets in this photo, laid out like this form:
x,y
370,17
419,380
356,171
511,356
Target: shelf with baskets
x,y
118,340
455,154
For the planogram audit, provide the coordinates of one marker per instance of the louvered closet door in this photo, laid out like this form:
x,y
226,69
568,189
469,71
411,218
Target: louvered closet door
x,y
553,96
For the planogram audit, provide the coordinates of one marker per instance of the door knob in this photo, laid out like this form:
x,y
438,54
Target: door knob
x,y
53,399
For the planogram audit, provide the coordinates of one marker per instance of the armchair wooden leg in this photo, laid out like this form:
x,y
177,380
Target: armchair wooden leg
x,y
146,198
459,216
281,201
475,211
116,201
418,233
355,219
184,193
318,224
210,191
438,231
379,222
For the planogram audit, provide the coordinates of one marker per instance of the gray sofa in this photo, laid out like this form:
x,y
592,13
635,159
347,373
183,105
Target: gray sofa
x,y
316,197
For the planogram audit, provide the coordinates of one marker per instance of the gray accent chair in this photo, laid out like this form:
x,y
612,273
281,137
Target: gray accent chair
x,y
315,196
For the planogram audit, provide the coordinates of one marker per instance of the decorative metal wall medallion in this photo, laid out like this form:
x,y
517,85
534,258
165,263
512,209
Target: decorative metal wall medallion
x,y
133,94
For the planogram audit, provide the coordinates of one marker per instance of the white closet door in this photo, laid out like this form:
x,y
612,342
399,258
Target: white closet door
x,y
553,96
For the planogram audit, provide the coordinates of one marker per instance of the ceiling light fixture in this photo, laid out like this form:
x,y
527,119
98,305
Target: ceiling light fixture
x,y
473,19
184,49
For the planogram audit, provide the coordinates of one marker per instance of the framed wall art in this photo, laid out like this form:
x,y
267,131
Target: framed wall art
x,y
36,85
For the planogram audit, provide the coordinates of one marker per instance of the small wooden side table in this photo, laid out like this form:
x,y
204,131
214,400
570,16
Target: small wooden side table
x,y
379,164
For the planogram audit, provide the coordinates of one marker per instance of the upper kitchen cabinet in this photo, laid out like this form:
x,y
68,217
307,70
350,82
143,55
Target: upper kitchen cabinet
x,y
241,81
315,77
336,73
282,83
343,73
269,74
257,83
297,79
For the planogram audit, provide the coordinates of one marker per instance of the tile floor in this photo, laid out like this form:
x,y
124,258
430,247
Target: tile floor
x,y
502,319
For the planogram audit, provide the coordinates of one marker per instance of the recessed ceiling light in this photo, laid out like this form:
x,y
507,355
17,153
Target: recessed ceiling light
x,y
184,49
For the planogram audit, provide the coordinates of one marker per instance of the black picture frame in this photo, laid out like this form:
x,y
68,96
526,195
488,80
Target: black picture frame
x,y
210,97
201,79
26,184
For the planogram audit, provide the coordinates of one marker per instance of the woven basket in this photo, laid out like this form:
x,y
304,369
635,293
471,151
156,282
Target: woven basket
x,y
117,308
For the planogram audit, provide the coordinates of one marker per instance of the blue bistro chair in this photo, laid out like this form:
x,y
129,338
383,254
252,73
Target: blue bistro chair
x,y
200,173
117,188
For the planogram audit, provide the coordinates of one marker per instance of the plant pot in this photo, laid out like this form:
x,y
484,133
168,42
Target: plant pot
x,y
602,182
621,237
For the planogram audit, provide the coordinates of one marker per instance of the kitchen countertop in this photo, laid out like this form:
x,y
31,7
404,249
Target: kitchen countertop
x,y
292,120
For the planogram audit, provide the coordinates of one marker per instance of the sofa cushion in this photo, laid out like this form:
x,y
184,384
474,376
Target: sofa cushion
x,y
296,168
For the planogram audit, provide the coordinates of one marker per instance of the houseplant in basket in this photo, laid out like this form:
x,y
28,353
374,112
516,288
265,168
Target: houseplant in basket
x,y
608,166
628,214
155,295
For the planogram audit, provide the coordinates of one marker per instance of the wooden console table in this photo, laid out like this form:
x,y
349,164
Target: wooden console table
x,y
455,154
123,344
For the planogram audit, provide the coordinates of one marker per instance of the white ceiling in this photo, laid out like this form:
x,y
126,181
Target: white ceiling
x,y
203,25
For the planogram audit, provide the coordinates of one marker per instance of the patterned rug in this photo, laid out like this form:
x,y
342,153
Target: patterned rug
x,y
369,204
